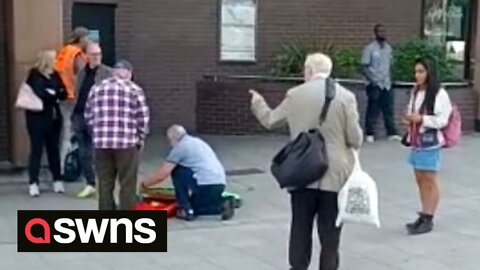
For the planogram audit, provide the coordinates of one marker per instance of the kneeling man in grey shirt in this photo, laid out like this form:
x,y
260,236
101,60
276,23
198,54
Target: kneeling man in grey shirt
x,y
198,177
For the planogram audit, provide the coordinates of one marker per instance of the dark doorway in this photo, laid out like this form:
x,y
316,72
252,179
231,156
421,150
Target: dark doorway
x,y
100,20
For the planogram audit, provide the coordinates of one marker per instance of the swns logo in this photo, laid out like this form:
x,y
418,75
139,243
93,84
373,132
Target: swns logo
x,y
92,231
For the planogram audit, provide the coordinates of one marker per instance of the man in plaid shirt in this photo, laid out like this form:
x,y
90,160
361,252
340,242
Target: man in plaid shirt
x,y
117,115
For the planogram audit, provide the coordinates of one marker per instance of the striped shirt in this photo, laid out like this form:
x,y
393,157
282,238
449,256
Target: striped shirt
x,y
117,114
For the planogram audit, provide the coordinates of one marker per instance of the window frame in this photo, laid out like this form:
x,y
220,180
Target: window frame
x,y
471,16
219,38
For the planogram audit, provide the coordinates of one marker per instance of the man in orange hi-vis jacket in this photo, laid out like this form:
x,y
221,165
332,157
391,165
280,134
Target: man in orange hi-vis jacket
x,y
70,60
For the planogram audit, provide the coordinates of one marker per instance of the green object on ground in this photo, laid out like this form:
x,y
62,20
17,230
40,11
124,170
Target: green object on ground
x,y
161,191
231,194
169,193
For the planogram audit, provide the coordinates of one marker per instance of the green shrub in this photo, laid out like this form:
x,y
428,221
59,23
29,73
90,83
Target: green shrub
x,y
405,55
346,63
290,61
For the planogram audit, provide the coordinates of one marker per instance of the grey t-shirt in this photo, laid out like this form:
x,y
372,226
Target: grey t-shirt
x,y
378,59
194,153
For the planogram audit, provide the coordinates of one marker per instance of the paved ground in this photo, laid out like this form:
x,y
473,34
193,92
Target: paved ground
x,y
257,237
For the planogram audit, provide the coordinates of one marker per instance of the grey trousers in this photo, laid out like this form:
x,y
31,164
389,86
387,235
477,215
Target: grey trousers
x,y
67,132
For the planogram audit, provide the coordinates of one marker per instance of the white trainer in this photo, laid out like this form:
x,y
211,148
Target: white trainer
x,y
58,187
370,139
394,138
88,191
33,190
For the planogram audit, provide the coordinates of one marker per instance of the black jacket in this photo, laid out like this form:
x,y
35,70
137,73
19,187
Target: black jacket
x,y
40,83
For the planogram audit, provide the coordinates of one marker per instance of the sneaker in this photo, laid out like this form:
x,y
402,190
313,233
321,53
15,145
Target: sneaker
x,y
394,138
86,192
370,139
185,215
33,190
228,209
58,187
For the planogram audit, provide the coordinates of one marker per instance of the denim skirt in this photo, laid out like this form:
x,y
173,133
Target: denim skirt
x,y
425,159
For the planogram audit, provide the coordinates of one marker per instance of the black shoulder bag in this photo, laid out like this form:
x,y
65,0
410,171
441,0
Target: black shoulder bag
x,y
305,160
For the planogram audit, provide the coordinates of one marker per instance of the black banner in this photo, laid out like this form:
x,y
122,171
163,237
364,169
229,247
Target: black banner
x,y
92,231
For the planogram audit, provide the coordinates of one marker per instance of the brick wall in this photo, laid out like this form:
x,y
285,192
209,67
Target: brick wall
x,y
173,43
176,41
223,107
3,87
340,22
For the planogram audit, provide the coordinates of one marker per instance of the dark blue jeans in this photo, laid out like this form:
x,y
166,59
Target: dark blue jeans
x,y
202,199
380,101
85,148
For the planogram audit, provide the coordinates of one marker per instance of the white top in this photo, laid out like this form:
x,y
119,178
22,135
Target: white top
x,y
441,113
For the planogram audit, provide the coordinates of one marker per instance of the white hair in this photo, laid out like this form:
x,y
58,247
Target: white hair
x,y
93,46
319,63
176,132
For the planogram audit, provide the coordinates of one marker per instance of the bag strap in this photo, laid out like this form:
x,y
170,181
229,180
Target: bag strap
x,y
415,128
356,158
330,91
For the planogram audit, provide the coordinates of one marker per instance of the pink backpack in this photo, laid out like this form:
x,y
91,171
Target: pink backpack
x,y
453,131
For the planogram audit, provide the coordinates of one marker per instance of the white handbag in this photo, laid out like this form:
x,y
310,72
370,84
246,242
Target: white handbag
x,y
27,99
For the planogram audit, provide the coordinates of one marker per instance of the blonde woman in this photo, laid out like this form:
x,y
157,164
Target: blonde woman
x,y
44,127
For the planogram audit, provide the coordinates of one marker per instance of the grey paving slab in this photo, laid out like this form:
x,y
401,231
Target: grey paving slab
x,y
73,261
352,261
10,259
465,258
422,263
257,238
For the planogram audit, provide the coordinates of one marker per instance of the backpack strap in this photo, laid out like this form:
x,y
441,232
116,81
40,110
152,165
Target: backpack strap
x,y
330,92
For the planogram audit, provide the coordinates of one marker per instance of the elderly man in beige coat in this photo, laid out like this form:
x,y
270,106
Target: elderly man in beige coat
x,y
301,110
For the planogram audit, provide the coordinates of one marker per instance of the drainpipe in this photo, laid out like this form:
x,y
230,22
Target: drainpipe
x,y
8,165
476,78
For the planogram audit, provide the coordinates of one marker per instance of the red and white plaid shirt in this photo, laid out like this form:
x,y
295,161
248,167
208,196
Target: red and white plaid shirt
x,y
117,114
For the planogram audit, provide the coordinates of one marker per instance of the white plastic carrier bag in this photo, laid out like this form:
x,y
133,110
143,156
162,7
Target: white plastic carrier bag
x,y
358,199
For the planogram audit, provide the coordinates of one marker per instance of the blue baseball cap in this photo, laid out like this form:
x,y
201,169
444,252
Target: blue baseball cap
x,y
123,64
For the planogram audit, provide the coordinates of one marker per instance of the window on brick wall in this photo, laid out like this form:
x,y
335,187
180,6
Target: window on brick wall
x,y
449,23
237,30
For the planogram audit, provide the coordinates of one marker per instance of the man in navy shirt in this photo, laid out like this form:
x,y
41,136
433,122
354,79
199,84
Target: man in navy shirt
x,y
198,177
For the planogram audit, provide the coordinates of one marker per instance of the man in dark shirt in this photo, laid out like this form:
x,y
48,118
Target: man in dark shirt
x,y
93,73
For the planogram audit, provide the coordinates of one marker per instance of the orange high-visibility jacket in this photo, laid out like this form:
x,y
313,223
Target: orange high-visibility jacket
x,y
65,65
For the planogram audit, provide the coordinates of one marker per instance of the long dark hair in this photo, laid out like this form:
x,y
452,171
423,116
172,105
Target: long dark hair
x,y
433,84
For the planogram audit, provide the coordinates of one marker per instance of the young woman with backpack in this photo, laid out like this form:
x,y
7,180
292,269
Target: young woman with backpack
x,y
429,120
